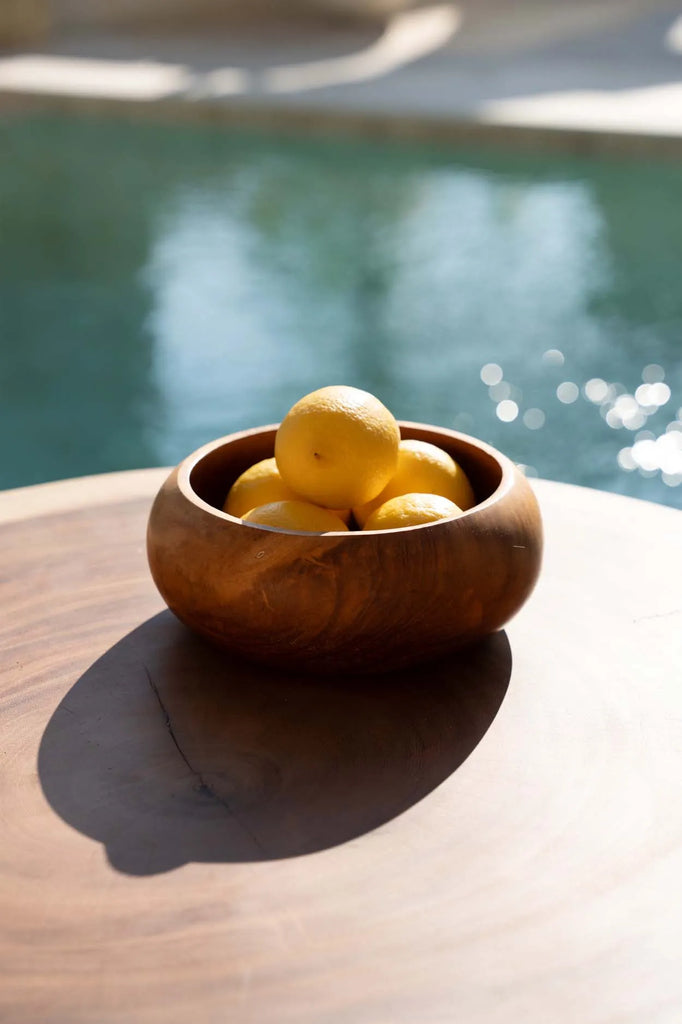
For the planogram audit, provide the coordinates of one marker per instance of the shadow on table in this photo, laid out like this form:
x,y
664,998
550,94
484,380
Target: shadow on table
x,y
169,751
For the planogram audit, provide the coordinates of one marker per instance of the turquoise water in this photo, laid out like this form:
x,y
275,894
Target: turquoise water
x,y
161,286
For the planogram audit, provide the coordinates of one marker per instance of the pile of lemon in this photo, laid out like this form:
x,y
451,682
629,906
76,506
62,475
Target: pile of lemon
x,y
340,463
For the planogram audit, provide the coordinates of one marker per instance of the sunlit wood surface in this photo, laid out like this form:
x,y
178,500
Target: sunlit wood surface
x,y
184,838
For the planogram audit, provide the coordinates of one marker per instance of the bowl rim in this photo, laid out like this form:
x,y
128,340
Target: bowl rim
x,y
185,467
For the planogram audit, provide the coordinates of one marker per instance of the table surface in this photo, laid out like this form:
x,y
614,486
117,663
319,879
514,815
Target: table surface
x,y
185,838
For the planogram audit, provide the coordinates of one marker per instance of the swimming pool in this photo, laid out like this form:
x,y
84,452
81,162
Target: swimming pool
x,y
163,285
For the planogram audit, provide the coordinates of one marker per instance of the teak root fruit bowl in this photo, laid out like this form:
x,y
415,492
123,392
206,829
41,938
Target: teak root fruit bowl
x,y
365,600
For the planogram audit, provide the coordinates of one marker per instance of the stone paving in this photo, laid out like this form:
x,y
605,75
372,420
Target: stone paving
x,y
585,74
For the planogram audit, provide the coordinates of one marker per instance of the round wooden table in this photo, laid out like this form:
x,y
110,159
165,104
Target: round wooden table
x,y
185,838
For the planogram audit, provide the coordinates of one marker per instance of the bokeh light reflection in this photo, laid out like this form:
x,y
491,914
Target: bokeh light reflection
x,y
507,411
596,390
491,374
626,460
567,392
498,392
534,419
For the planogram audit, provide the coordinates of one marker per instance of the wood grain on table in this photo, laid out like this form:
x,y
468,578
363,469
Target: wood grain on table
x,y
184,837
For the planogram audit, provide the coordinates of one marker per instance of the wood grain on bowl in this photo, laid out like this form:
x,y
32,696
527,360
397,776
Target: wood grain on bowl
x,y
365,600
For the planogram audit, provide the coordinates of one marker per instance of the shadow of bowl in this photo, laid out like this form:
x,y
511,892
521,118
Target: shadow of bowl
x,y
169,751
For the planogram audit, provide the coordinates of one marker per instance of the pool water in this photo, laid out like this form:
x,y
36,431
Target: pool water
x,y
162,285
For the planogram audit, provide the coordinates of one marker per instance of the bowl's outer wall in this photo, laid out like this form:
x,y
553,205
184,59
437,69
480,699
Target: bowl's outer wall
x,y
364,601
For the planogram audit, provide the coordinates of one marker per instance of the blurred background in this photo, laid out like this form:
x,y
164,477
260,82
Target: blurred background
x,y
209,208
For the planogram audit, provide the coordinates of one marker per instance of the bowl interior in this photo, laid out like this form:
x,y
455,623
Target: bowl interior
x,y
216,470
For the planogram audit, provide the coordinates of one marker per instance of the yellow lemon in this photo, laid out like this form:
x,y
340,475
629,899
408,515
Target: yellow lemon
x,y
423,468
257,485
344,514
261,484
337,447
411,510
295,515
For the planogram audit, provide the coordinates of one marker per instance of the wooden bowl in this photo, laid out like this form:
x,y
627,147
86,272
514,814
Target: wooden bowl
x,y
361,600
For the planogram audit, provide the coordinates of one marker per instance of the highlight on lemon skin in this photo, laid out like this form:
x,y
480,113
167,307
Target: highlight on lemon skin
x,y
337,447
297,516
411,510
422,468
